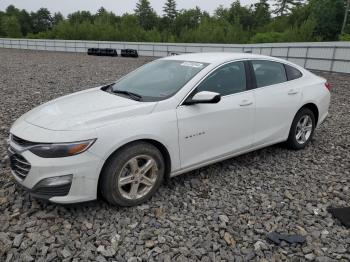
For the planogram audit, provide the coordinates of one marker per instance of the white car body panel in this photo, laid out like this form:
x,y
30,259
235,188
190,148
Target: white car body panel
x,y
85,110
194,136
207,131
275,109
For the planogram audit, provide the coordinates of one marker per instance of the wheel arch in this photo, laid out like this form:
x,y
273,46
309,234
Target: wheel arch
x,y
310,105
313,107
160,146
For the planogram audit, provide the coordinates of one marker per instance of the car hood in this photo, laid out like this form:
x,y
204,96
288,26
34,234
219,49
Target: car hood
x,y
87,109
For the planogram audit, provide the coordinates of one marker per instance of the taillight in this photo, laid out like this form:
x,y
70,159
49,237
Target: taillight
x,y
328,86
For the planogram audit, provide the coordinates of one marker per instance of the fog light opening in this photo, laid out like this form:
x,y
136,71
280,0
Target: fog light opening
x,y
55,181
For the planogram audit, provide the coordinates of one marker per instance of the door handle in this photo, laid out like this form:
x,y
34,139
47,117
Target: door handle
x,y
293,92
246,103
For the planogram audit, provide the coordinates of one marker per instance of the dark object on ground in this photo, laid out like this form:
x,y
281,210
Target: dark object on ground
x,y
291,239
341,213
129,53
102,52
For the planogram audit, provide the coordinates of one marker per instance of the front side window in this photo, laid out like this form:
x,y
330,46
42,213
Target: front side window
x,y
158,80
228,79
268,73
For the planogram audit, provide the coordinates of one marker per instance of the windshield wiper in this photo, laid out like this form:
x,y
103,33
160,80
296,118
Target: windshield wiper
x,y
132,95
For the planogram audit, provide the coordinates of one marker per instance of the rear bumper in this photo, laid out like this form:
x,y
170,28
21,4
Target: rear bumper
x,y
322,119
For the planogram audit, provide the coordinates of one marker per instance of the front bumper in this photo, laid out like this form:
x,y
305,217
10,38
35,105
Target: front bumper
x,y
84,170
48,192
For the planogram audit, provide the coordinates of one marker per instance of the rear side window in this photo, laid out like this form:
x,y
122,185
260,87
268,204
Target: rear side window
x,y
292,73
268,73
228,79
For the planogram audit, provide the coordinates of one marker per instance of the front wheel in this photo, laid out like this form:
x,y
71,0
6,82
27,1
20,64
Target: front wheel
x,y
302,129
132,175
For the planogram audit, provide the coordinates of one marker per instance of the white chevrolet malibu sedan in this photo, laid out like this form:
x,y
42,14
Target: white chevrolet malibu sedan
x,y
166,118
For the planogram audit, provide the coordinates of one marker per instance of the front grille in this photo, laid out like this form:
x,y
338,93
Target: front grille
x,y
19,165
21,142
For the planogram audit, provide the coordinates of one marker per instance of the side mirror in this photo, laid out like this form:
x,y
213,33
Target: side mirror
x,y
204,97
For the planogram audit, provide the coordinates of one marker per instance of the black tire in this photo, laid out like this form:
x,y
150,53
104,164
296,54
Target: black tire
x,y
292,142
109,187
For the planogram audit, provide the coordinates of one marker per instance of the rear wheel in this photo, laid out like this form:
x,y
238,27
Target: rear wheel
x,y
302,129
132,175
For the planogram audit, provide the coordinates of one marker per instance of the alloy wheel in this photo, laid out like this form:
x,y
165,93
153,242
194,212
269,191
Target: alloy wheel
x,y
137,177
304,129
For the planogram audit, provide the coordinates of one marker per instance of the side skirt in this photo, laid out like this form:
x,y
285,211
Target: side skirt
x,y
220,158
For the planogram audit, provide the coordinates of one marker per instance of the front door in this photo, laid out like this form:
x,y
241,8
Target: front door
x,y
209,131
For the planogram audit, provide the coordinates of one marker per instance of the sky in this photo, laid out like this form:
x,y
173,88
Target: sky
x,y
117,6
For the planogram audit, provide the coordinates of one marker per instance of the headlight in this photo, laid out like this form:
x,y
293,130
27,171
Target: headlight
x,y
61,149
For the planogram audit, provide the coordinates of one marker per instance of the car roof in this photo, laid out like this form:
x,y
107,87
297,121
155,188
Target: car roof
x,y
217,58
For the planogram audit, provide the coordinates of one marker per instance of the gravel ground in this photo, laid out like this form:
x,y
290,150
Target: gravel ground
x,y
221,212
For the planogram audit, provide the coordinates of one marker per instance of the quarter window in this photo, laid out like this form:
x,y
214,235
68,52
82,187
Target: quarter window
x,y
228,79
268,73
292,73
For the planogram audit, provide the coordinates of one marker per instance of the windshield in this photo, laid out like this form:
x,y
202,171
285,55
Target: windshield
x,y
158,80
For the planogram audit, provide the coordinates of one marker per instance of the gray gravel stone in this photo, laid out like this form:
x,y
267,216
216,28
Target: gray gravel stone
x,y
273,189
66,253
18,240
224,218
310,257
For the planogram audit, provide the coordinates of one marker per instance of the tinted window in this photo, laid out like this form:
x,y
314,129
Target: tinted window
x,y
159,79
268,73
292,73
226,80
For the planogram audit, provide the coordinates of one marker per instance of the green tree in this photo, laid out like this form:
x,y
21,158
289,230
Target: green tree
x,y
303,33
267,37
146,15
25,21
346,14
129,28
11,10
241,14
169,10
168,19
315,20
285,6
261,13
11,27
188,19
329,15
2,15
42,20
57,18
80,16
221,13
344,37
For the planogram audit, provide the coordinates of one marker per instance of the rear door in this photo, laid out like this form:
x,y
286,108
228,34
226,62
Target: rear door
x,y
277,101
209,131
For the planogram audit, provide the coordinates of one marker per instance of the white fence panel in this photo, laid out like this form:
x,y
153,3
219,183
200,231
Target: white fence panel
x,y
297,52
266,51
321,52
341,67
342,53
298,61
324,65
233,49
328,56
280,52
